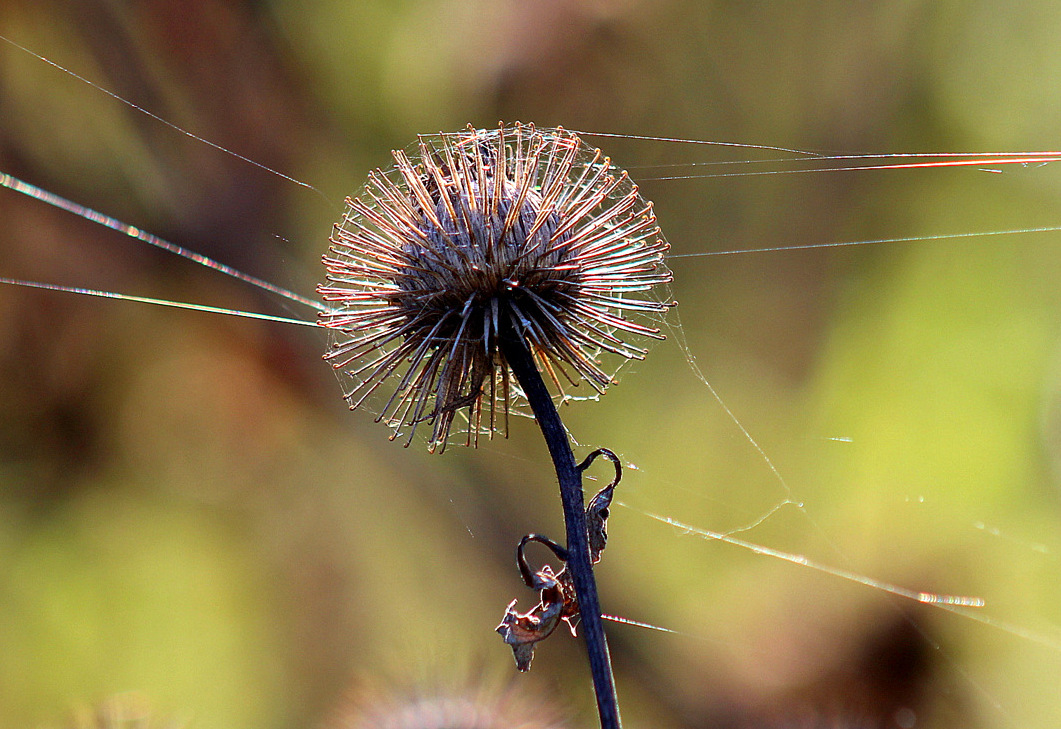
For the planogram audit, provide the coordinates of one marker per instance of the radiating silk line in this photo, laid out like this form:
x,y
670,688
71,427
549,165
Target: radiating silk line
x,y
929,598
160,120
978,162
706,142
967,607
158,302
1024,158
13,183
639,624
872,241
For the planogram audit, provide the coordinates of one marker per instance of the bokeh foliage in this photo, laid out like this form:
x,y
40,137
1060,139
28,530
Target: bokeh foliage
x,y
188,511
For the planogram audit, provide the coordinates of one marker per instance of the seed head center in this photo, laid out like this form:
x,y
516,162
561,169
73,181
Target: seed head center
x,y
470,256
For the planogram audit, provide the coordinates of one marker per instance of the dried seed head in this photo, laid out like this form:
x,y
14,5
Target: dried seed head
x,y
449,703
483,234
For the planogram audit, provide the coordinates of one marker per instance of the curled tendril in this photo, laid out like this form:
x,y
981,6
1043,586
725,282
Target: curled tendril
x,y
557,598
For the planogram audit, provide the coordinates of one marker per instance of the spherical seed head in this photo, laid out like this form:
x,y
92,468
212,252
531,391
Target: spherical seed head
x,y
484,234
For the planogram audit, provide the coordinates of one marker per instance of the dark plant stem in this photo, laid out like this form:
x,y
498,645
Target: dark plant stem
x,y
519,359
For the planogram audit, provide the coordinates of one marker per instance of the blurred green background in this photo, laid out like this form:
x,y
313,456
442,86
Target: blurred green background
x,y
188,511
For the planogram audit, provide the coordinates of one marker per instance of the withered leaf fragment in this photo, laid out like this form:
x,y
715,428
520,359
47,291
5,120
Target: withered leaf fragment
x,y
557,599
598,509
522,631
